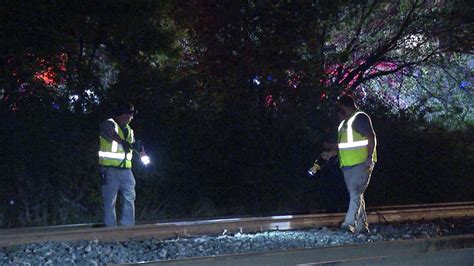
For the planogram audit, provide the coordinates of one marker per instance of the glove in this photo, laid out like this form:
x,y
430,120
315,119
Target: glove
x,y
137,145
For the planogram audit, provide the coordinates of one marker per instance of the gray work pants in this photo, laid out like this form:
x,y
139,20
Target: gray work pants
x,y
115,180
357,179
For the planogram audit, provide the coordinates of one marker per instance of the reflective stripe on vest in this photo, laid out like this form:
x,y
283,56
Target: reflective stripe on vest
x,y
353,147
114,155
350,134
111,153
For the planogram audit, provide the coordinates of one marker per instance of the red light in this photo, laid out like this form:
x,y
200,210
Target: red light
x,y
268,100
49,76
322,96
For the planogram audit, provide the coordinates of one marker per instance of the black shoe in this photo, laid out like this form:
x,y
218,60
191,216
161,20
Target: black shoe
x,y
349,228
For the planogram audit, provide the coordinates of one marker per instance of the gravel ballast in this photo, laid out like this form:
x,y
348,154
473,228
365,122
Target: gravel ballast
x,y
97,252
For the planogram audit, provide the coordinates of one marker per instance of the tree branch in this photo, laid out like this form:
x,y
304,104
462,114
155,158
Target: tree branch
x,y
379,51
351,46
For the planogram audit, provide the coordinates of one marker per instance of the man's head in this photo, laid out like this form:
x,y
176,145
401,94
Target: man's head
x,y
123,113
346,105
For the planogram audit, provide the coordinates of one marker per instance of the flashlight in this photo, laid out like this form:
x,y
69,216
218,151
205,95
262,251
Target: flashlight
x,y
315,168
145,159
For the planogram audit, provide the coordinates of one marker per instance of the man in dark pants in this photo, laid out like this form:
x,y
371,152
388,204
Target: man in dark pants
x,y
357,156
115,159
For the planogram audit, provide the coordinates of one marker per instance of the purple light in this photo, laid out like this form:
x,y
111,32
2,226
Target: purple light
x,y
464,84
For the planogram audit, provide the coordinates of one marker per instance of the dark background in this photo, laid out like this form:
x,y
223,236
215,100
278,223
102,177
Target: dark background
x,y
234,99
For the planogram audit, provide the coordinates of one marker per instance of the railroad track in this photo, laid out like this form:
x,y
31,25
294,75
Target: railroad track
x,y
172,229
448,250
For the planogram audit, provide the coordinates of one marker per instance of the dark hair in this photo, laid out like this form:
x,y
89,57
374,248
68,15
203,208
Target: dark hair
x,y
346,100
123,107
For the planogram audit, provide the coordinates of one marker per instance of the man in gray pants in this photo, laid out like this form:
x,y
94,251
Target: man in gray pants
x,y
115,159
357,156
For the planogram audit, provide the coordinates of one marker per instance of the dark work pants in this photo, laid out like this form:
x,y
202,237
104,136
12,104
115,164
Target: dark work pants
x,y
118,180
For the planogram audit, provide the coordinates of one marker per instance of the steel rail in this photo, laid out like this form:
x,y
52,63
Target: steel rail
x,y
370,253
172,229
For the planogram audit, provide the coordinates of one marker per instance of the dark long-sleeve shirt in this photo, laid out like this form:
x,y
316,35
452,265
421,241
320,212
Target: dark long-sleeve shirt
x,y
107,131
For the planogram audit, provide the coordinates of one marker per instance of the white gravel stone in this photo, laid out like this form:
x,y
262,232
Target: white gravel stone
x,y
96,252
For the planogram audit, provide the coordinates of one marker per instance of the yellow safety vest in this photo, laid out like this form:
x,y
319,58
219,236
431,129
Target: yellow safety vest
x,y
111,153
353,147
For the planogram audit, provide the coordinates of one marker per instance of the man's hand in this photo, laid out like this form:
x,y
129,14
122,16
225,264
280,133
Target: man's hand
x,y
327,155
144,158
137,146
127,147
324,155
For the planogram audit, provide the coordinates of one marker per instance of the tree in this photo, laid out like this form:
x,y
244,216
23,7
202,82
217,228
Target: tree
x,y
234,98
60,60
79,49
288,53
438,91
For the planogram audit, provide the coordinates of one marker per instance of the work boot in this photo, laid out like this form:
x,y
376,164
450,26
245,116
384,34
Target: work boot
x,y
363,230
347,227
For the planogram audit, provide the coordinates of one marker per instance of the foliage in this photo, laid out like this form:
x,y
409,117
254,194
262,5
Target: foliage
x,y
234,100
79,49
48,174
439,92
423,162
